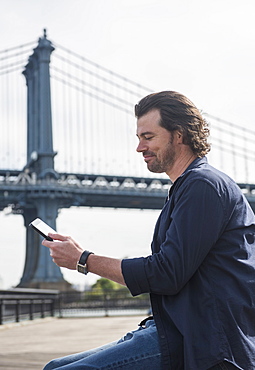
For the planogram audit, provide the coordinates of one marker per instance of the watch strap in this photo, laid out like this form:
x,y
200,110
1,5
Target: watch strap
x,y
81,264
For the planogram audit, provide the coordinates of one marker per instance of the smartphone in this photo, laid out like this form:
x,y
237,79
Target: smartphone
x,y
42,228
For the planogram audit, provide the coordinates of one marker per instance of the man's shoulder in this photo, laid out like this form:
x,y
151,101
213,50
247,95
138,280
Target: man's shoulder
x,y
206,175
202,170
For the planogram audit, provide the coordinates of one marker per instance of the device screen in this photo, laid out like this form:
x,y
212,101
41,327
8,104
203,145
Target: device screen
x,y
42,228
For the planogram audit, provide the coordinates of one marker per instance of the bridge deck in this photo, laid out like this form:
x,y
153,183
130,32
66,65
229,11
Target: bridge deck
x,y
30,345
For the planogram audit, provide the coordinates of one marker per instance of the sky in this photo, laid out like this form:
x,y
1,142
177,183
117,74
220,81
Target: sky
x,y
201,48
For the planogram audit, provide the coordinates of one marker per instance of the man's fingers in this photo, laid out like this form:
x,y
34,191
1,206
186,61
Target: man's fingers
x,y
59,237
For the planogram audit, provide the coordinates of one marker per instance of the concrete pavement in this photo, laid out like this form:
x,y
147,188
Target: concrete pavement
x,y
31,344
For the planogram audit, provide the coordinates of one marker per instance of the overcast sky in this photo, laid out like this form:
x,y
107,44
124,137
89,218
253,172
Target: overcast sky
x,y
202,48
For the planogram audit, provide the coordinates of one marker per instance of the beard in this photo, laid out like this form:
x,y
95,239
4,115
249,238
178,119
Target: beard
x,y
163,162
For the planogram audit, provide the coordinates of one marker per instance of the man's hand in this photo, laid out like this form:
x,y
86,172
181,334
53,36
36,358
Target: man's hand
x,y
65,251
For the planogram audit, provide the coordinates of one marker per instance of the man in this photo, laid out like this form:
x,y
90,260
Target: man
x,y
201,274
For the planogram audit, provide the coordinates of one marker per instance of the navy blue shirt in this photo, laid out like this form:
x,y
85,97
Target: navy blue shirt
x,y
201,274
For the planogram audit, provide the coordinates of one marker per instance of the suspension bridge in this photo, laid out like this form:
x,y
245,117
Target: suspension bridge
x,y
68,138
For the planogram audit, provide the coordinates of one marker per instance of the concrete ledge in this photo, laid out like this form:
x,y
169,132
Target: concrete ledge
x,y
31,344
25,323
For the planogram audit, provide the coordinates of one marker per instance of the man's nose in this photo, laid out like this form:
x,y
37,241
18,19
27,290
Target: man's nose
x,y
141,147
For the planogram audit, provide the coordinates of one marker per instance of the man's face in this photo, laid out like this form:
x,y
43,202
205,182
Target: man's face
x,y
157,144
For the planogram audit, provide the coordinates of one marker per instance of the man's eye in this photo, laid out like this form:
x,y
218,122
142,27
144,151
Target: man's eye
x,y
148,137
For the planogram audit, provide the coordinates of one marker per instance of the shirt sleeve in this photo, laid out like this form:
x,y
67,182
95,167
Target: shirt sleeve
x,y
197,221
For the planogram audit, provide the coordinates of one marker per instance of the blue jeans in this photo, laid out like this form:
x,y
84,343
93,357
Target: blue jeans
x,y
135,351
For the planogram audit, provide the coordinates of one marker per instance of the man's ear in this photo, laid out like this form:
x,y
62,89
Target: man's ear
x,y
179,137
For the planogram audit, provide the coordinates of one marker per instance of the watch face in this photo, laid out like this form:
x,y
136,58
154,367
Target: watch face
x,y
82,269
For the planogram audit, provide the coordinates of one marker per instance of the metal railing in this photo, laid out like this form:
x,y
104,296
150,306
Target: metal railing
x,y
27,304
102,303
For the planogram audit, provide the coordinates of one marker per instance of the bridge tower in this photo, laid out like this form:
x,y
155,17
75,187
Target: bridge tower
x,y
39,270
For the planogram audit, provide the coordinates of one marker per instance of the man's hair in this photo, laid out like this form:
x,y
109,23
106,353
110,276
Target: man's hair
x,y
178,113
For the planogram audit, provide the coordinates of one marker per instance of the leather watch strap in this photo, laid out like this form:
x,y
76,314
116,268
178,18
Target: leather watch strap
x,y
81,264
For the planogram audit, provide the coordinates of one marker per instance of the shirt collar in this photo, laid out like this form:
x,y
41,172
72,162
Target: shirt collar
x,y
195,164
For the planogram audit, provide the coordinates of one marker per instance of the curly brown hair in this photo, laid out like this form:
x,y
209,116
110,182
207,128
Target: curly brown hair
x,y
178,113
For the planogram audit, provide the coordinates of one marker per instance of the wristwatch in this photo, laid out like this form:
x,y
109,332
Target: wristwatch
x,y
81,264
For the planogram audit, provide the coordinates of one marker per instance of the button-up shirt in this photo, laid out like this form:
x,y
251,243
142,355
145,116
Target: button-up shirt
x,y
201,273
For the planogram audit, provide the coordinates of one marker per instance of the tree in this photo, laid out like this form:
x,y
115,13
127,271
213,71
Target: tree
x,y
105,285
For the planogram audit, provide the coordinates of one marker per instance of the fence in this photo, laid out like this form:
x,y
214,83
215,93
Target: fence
x,y
27,304
18,305
102,303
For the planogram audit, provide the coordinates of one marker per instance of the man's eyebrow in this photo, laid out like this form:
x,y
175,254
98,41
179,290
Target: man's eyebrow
x,y
145,133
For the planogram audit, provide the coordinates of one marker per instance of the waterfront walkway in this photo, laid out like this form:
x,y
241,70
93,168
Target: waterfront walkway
x,y
31,344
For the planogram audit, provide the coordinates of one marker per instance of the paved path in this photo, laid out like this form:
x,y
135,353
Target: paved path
x,y
31,344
